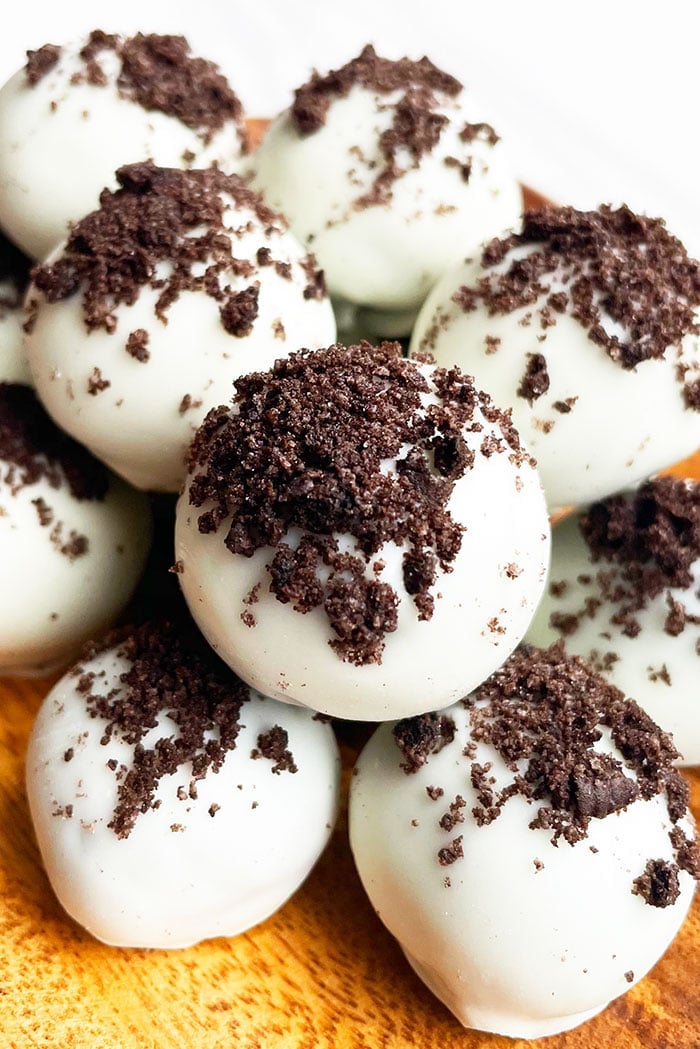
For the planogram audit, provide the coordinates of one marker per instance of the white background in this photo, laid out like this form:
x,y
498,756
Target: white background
x,y
600,101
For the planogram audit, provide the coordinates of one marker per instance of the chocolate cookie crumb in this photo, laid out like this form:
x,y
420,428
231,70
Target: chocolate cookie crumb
x,y
612,264
34,449
96,383
535,381
40,62
451,853
418,738
658,886
137,345
273,745
239,311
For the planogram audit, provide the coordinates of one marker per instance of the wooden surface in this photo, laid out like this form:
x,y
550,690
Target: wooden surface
x,y
321,974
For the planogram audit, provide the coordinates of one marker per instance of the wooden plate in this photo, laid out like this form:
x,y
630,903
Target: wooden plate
x,y
321,974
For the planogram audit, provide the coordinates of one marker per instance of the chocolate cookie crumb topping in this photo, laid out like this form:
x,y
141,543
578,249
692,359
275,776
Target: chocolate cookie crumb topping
x,y
535,381
658,886
33,449
601,266
308,448
273,745
418,738
40,62
649,544
120,248
171,671
137,345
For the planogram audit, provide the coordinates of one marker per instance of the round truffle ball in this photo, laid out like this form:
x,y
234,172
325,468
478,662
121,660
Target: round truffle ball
x,y
624,593
530,848
352,524
172,803
587,325
140,322
73,538
81,110
389,172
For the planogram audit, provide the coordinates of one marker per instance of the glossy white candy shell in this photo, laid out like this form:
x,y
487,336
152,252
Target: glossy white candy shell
x,y
136,425
624,426
55,160
425,664
49,604
387,256
509,948
674,706
217,875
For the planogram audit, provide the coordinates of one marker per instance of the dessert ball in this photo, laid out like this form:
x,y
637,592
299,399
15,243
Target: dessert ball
x,y
77,112
73,538
624,593
587,325
171,802
354,525
529,847
389,172
142,319
14,274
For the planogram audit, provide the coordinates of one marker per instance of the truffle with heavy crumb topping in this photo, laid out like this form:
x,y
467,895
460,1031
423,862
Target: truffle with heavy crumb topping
x,y
74,538
624,594
571,851
348,490
178,284
596,315
116,100
385,168
176,833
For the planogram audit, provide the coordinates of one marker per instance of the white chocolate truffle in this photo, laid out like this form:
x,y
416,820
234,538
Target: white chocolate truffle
x,y
586,325
354,523
170,802
456,847
73,538
179,283
624,593
76,113
388,172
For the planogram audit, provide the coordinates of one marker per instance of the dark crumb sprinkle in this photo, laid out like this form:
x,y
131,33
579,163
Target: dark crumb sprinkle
x,y
33,449
447,883
306,448
543,712
40,62
658,886
273,745
213,809
137,345
538,865
417,738
159,73
69,754
564,407
171,671
613,264
629,976
434,793
187,402
648,544
451,853
240,310
417,123
535,381
96,382
114,252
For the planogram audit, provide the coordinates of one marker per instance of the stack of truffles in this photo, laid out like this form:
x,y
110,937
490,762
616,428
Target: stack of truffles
x,y
362,530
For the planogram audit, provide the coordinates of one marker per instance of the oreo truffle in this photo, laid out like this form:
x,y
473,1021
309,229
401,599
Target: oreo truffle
x,y
171,802
389,172
587,324
352,524
73,540
83,109
530,847
624,593
138,324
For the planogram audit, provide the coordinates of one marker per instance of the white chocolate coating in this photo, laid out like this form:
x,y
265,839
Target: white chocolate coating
x,y
13,362
61,142
508,947
211,876
137,425
611,438
385,256
482,606
657,669
50,603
